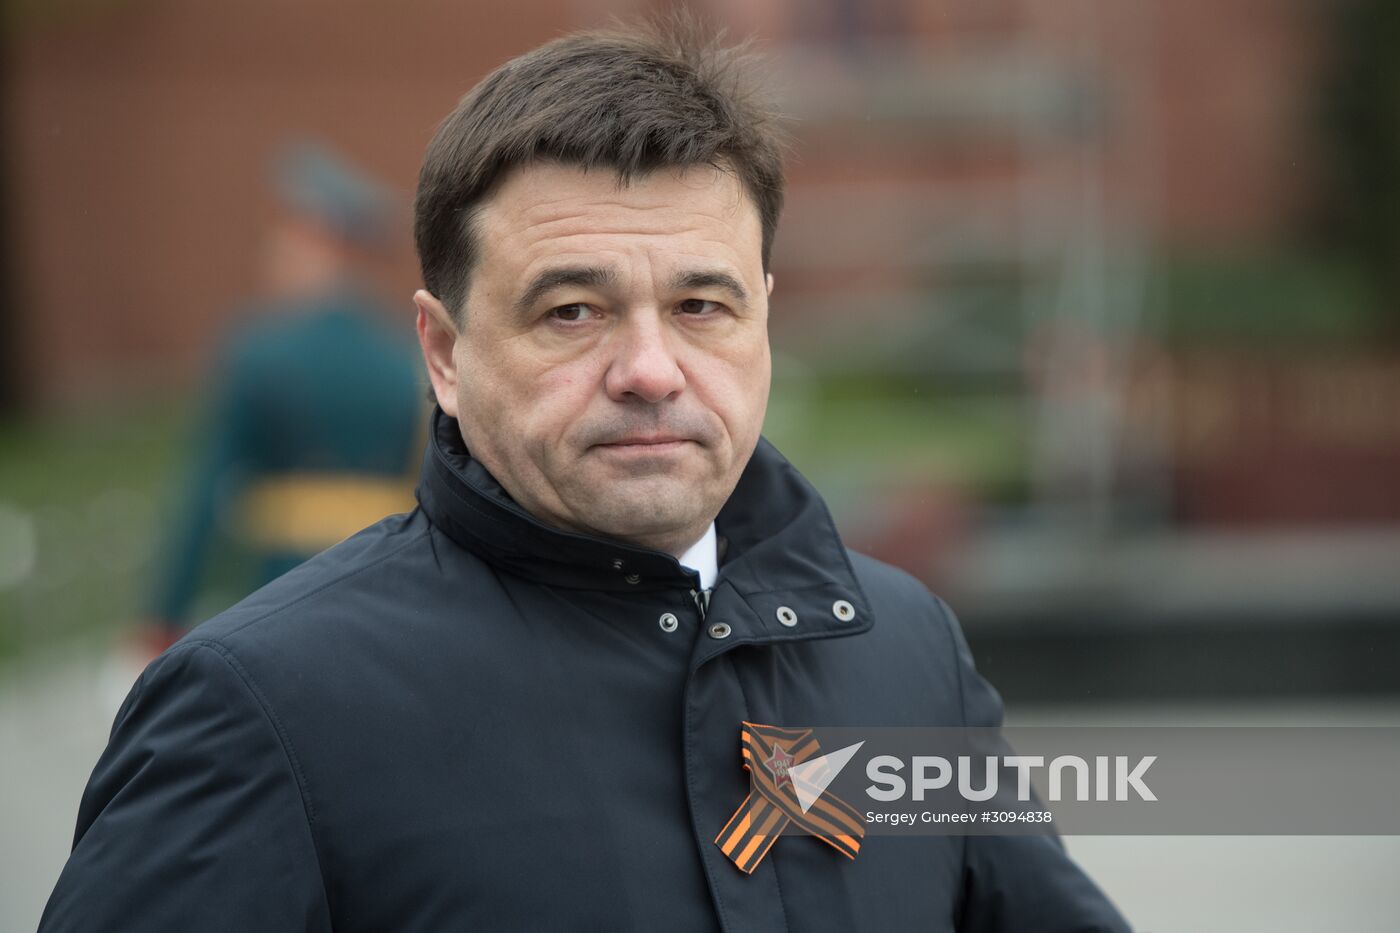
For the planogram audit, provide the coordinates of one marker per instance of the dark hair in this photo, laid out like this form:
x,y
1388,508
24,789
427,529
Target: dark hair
x,y
664,94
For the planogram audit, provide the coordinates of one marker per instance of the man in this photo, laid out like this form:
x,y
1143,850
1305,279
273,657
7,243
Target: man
x,y
518,707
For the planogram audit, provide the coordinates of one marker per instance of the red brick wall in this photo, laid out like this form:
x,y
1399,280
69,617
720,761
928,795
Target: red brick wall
x,y
139,136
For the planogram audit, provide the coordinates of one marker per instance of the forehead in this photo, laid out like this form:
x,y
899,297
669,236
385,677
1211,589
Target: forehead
x,y
546,211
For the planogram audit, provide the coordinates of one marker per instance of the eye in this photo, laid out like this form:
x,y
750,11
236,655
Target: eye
x,y
572,314
697,306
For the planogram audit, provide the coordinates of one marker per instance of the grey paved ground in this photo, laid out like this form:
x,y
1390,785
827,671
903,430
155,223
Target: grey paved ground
x,y
53,724
54,719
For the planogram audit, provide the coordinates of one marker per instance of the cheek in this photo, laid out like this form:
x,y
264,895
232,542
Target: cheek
x,y
555,398
508,376
755,367
757,396
496,391
736,389
558,381
566,387
759,373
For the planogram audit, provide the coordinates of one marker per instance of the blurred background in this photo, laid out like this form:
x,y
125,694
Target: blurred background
x,y
1087,314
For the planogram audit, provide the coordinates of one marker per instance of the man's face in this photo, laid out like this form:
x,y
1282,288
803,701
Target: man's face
x,y
612,369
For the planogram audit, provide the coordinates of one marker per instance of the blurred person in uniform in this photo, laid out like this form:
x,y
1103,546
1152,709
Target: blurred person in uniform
x,y
313,427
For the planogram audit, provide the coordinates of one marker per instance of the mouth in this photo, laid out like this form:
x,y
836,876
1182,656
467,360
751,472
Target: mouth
x,y
654,444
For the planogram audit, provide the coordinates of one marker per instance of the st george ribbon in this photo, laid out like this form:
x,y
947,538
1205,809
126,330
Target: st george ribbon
x,y
787,777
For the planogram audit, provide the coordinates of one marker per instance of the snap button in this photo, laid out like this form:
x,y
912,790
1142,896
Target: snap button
x,y
786,616
843,610
633,578
668,622
720,630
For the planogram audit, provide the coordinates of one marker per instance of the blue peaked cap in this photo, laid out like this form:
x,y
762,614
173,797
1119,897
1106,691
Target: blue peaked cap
x,y
316,182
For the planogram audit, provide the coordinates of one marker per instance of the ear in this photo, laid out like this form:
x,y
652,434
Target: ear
x,y
437,335
769,277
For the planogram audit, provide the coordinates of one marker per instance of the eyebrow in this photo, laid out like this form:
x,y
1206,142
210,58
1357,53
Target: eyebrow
x,y
550,279
603,276
711,279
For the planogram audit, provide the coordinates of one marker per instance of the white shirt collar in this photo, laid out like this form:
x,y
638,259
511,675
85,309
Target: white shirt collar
x,y
703,557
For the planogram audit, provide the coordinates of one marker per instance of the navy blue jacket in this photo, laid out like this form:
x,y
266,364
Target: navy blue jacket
x,y
462,719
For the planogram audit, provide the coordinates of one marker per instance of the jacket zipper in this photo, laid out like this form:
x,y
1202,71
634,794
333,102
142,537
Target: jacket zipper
x,y
702,601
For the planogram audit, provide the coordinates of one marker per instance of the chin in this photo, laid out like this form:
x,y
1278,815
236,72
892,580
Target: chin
x,y
646,516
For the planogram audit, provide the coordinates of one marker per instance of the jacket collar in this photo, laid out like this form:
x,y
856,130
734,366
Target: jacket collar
x,y
778,544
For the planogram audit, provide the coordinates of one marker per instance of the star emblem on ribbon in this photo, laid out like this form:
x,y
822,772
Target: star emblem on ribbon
x,y
773,805
778,763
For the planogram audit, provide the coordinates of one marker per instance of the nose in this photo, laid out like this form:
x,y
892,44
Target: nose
x,y
644,365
